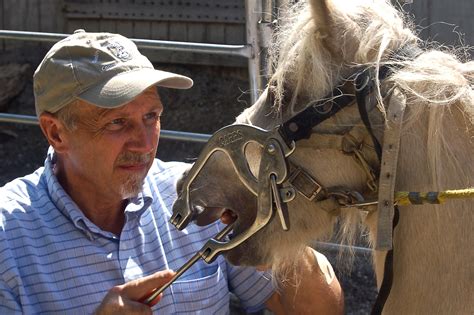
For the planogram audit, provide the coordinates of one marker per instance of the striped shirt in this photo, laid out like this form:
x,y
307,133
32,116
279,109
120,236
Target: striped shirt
x,y
53,259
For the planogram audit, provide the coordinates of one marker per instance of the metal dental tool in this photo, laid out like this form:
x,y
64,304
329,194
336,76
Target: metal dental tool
x,y
202,253
273,171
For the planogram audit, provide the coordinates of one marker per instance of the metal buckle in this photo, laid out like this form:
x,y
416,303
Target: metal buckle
x,y
305,184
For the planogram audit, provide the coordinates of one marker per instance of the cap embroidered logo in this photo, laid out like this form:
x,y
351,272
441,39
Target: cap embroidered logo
x,y
119,51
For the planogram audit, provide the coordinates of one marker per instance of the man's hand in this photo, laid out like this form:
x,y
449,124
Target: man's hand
x,y
125,299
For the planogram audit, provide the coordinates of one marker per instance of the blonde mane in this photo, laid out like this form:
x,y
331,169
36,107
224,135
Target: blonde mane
x,y
372,32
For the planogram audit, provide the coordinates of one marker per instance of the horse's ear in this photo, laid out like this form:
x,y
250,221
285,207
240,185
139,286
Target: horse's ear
x,y
325,26
321,16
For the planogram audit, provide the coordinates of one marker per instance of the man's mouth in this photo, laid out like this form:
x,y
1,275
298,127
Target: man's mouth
x,y
134,167
133,162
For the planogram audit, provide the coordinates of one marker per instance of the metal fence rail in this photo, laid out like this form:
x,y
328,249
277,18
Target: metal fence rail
x,y
229,50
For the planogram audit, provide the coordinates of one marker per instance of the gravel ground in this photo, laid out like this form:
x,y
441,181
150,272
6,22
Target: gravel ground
x,y
217,97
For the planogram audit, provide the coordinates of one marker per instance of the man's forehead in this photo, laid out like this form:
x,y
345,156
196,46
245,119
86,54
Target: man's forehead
x,y
150,93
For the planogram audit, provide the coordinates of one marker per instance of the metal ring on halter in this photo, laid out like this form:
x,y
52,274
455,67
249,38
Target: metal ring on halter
x,y
362,80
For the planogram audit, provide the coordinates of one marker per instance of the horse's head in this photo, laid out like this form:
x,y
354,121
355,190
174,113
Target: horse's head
x,y
318,49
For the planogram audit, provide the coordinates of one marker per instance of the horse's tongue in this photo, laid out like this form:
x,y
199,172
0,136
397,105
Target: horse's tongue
x,y
228,217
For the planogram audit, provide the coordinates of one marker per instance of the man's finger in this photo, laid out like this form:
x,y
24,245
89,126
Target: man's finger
x,y
152,302
139,288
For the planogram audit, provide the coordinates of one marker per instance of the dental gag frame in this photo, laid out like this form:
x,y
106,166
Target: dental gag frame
x,y
271,197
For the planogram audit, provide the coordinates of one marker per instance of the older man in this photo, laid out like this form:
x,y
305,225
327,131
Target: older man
x,y
89,231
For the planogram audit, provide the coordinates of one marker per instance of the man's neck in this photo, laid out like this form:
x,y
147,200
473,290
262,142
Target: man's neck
x,y
107,212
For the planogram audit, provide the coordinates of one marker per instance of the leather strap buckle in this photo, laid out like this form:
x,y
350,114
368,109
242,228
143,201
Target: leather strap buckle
x,y
305,184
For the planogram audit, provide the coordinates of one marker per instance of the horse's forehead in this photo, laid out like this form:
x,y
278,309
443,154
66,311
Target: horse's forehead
x,y
265,114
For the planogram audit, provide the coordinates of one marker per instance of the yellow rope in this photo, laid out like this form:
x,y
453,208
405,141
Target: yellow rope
x,y
404,198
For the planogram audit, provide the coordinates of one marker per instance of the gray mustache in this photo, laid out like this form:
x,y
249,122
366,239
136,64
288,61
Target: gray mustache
x,y
133,158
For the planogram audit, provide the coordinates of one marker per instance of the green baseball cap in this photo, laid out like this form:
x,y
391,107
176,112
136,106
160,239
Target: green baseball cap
x,y
103,69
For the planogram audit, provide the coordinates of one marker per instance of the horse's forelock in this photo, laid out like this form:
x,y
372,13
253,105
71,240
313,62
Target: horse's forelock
x,y
311,57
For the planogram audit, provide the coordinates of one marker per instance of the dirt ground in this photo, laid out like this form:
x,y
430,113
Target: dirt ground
x,y
216,98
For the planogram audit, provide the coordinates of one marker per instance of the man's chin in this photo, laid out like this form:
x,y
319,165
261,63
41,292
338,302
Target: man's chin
x,y
132,187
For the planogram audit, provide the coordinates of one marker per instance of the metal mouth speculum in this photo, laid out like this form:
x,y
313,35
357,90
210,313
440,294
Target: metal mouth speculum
x,y
273,171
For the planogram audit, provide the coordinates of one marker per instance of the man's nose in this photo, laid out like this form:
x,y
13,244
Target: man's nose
x,y
142,138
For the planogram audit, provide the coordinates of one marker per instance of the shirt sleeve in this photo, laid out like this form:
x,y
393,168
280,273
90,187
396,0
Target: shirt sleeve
x,y
252,287
8,305
8,299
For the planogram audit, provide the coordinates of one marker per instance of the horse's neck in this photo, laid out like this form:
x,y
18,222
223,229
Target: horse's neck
x,y
433,244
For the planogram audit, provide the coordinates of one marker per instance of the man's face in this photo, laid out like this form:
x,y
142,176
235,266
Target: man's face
x,y
111,150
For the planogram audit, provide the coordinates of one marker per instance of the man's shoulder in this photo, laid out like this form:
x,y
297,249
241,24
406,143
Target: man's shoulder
x,y
22,192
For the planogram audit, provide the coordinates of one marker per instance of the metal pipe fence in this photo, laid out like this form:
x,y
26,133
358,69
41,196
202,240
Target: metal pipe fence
x,y
217,49
229,50
247,51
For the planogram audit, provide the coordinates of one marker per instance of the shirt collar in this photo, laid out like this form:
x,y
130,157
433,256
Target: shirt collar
x,y
141,202
136,206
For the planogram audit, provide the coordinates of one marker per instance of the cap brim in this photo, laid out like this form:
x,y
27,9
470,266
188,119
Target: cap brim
x,y
126,86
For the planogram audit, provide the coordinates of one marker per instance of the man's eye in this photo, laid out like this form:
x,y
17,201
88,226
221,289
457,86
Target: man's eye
x,y
116,124
152,117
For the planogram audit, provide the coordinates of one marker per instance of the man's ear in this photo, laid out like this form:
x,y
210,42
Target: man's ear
x,y
54,131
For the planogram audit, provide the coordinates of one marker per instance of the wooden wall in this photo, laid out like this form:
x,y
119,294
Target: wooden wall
x,y
202,21
208,21
445,21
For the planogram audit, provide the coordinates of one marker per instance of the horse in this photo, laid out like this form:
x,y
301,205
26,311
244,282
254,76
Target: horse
x,y
414,132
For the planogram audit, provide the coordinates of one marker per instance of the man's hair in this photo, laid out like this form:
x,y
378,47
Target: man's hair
x,y
69,115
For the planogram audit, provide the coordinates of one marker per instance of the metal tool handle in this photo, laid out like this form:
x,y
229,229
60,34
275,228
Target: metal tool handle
x,y
200,254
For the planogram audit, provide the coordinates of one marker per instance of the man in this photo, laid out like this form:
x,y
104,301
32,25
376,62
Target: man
x,y
89,231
